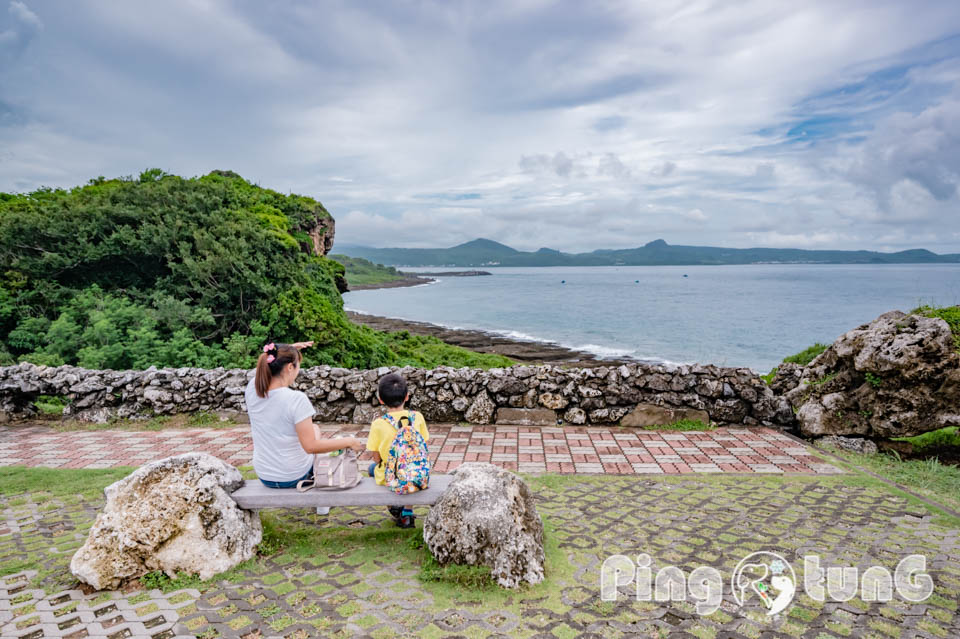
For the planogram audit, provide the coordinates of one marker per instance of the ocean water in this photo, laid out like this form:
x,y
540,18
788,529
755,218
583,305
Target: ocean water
x,y
750,315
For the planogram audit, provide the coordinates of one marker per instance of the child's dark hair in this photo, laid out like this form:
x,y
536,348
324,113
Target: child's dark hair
x,y
392,390
272,360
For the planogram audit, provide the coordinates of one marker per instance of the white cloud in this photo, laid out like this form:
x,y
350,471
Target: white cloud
x,y
25,15
575,126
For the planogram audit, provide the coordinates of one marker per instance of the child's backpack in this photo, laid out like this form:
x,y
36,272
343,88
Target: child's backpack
x,y
408,463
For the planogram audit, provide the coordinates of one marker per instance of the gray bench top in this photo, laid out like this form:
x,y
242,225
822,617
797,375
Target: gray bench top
x,y
253,495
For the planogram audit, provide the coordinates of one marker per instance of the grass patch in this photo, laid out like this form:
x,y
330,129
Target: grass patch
x,y
429,352
88,483
949,436
949,314
50,404
927,477
802,358
160,581
807,355
361,272
158,422
683,425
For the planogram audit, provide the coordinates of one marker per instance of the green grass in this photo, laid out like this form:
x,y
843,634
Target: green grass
x,y
927,477
160,581
50,405
361,272
429,352
89,483
802,358
158,422
807,355
949,314
949,436
683,425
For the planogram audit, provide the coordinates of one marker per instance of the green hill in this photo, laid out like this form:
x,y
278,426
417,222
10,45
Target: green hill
x,y
361,272
166,271
488,253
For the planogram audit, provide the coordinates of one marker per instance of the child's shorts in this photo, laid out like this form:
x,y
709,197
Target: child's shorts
x,y
373,467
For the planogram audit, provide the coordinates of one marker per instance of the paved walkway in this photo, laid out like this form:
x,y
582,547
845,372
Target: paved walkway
x,y
529,450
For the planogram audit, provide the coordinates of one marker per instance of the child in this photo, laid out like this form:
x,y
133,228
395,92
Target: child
x,y
392,393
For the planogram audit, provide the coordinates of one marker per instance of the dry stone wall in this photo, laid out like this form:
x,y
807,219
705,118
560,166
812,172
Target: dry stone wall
x,y
525,395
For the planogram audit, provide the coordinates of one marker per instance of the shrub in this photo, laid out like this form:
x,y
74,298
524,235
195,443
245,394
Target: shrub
x,y
166,271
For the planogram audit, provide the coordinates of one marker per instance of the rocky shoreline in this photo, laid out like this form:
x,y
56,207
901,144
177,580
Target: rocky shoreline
x,y
482,342
416,279
407,281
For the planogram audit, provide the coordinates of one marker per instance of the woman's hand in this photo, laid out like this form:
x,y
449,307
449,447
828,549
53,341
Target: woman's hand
x,y
302,345
357,445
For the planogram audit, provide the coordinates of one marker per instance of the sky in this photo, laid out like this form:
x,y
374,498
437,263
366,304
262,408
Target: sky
x,y
570,125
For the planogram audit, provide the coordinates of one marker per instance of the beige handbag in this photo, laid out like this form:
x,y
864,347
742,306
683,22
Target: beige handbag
x,y
333,471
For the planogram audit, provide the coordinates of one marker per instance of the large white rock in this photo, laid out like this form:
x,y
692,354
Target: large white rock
x,y
175,514
897,376
487,517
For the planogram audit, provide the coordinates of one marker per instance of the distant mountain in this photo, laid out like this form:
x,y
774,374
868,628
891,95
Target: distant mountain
x,y
482,252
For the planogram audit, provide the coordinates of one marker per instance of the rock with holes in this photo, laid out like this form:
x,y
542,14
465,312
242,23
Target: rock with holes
x,y
487,517
897,376
175,514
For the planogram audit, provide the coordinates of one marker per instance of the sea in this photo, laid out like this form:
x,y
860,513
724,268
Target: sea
x,y
738,315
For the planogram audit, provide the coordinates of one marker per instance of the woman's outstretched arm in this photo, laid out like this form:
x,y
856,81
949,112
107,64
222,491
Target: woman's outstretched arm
x,y
308,434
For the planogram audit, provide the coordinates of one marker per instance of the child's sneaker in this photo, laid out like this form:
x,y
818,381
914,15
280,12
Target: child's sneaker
x,y
406,519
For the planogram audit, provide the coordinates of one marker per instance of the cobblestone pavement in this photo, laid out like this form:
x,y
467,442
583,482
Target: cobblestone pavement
x,y
359,574
533,450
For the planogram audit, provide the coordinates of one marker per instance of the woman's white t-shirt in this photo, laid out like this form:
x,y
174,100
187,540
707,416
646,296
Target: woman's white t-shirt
x,y
277,453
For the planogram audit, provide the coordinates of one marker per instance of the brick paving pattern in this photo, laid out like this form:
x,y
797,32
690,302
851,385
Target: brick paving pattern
x,y
342,589
567,450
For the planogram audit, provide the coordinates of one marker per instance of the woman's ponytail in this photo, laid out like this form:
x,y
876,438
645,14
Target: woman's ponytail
x,y
264,376
271,361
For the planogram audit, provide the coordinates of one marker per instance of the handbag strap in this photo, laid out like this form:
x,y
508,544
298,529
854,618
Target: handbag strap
x,y
302,486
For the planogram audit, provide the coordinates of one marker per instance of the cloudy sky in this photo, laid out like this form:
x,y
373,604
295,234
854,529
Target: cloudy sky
x,y
574,125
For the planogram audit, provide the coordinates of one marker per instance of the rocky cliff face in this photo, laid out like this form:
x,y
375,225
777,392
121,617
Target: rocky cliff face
x,y
321,234
897,376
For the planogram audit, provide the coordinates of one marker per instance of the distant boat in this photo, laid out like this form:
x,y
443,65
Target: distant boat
x,y
684,274
563,281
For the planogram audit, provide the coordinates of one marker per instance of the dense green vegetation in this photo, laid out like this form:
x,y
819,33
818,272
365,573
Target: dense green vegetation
x,y
482,252
361,272
166,271
949,436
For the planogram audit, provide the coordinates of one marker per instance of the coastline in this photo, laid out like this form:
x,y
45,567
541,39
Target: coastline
x,y
407,281
483,342
417,279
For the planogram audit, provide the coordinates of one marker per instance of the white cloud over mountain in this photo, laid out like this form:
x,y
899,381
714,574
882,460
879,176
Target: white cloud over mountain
x,y
563,124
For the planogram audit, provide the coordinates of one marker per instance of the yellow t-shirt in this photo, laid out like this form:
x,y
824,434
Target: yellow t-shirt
x,y
382,434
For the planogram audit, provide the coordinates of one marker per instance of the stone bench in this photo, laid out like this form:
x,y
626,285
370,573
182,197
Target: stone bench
x,y
253,495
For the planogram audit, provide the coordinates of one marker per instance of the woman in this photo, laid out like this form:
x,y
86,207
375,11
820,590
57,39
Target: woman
x,y
281,421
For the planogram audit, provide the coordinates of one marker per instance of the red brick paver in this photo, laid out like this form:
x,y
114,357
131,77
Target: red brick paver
x,y
555,449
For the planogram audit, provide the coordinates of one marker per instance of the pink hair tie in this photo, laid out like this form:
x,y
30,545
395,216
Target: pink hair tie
x,y
270,359
269,347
